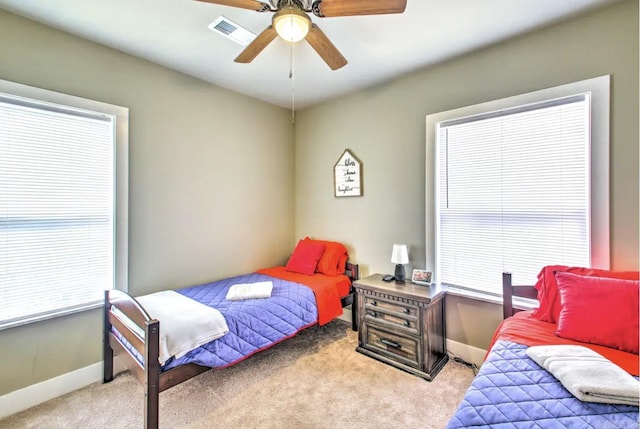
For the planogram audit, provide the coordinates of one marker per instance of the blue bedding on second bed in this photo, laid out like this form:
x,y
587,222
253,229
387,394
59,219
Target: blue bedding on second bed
x,y
254,324
512,391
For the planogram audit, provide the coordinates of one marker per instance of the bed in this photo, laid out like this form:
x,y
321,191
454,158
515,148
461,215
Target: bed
x,y
300,297
512,390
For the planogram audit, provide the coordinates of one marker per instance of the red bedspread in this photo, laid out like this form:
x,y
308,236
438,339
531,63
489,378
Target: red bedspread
x,y
524,329
327,289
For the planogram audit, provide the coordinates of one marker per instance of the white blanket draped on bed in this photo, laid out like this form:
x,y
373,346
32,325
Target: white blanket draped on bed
x,y
185,324
587,375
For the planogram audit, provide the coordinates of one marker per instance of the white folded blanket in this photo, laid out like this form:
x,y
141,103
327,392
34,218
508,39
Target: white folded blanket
x,y
587,375
185,324
250,291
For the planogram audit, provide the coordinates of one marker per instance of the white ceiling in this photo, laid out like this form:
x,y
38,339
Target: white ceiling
x,y
174,33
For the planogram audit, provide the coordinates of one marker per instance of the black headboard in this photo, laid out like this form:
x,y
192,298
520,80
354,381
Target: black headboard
x,y
509,291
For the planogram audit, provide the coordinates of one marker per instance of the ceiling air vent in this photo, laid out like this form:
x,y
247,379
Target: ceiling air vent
x,y
231,30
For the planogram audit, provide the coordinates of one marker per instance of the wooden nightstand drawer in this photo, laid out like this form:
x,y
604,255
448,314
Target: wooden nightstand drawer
x,y
375,303
404,349
398,320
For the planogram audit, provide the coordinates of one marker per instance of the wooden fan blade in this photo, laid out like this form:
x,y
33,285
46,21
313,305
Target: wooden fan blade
x,y
329,8
244,4
258,44
323,46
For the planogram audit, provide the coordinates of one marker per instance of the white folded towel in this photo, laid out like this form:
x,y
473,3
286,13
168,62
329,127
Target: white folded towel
x,y
185,324
587,375
250,291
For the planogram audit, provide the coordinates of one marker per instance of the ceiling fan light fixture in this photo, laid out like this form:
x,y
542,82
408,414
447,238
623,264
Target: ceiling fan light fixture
x,y
291,24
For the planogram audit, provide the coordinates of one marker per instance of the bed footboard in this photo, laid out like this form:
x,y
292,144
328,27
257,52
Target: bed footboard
x,y
124,313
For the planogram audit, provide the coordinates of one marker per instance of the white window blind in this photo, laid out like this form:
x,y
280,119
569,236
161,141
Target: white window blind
x,y
57,237
513,193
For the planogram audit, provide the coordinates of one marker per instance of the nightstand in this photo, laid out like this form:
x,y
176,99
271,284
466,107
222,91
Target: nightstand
x,y
402,324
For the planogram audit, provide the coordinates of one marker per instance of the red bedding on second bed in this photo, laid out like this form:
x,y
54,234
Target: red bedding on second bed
x,y
524,329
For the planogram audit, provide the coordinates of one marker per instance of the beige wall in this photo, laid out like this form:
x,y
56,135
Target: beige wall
x,y
208,170
385,127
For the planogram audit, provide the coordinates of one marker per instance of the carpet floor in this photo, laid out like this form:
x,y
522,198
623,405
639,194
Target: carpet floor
x,y
313,380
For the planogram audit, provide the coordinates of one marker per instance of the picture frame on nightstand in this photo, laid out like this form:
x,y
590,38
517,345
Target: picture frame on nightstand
x,y
421,277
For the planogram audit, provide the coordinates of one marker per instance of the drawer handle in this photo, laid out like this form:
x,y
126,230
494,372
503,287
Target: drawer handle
x,y
374,303
407,323
390,343
374,314
406,311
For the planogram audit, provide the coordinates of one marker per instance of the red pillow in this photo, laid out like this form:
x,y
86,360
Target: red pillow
x,y
548,296
305,257
599,310
334,258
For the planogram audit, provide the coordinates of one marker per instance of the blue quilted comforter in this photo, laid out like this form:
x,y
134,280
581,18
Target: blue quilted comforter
x,y
254,324
512,391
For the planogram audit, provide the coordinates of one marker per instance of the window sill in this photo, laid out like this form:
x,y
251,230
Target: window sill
x,y
50,315
519,303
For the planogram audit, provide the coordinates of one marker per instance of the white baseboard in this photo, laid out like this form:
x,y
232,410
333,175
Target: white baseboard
x,y
466,352
346,315
38,393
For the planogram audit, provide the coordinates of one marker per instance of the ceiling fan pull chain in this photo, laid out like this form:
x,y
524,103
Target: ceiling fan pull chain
x,y
291,61
293,86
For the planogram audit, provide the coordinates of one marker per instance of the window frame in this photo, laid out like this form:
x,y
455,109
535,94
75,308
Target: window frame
x,y
121,185
598,88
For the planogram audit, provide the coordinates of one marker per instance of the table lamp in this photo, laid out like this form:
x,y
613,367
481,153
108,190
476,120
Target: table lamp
x,y
400,256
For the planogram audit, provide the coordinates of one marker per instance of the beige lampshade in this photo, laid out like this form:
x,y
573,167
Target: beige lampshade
x,y
400,254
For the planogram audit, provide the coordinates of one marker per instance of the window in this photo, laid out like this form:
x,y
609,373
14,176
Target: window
x,y
61,224
515,186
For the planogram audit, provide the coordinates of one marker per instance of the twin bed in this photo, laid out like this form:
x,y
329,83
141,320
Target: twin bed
x,y
511,390
299,297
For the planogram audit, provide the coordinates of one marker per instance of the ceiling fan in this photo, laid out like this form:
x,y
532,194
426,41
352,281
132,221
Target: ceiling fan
x,y
291,22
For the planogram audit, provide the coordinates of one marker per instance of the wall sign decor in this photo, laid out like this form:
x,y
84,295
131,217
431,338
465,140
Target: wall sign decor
x,y
347,176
